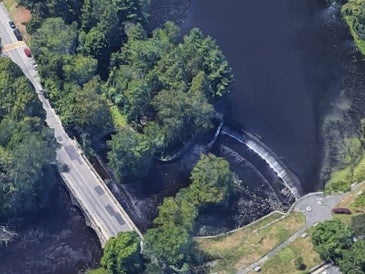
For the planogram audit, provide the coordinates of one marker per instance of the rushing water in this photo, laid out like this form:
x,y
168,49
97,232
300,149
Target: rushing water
x,y
297,77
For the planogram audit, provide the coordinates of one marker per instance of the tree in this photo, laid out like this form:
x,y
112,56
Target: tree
x,y
353,261
358,224
299,263
79,69
171,244
130,154
122,255
86,111
202,53
45,40
177,212
182,114
330,238
212,181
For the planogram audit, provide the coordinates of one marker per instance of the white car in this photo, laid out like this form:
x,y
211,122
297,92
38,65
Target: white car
x,y
35,66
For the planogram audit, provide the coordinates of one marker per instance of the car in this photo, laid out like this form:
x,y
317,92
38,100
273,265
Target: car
x,y
341,210
27,52
257,269
12,24
18,35
35,66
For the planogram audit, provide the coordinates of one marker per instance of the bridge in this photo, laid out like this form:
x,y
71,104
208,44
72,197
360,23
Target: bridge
x,y
290,180
102,211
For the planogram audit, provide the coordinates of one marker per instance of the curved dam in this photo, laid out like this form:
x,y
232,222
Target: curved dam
x,y
290,180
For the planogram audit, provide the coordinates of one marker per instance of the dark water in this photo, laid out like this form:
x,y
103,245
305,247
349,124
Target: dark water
x,y
279,54
53,240
298,78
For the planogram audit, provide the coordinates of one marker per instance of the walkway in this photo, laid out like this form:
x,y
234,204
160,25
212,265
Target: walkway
x,y
316,208
102,211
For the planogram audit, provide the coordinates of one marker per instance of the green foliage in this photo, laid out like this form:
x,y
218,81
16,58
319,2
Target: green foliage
x,y
169,243
69,10
182,113
130,154
339,181
212,181
358,224
99,270
171,240
26,145
330,238
177,212
360,201
299,263
122,254
353,261
359,169
86,111
171,83
45,41
354,13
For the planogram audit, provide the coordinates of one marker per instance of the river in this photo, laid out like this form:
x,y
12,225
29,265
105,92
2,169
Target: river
x,y
55,239
295,69
280,52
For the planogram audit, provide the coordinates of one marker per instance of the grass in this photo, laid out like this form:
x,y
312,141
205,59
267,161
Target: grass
x,y
360,43
244,247
119,120
283,261
10,5
349,201
341,180
359,202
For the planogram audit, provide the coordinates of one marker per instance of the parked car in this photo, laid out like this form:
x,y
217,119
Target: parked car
x,y
341,210
12,25
27,52
18,35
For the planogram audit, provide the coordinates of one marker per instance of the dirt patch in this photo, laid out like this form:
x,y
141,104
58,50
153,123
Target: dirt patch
x,y
21,17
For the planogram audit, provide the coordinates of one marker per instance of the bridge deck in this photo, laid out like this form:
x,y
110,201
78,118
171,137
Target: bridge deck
x,y
105,215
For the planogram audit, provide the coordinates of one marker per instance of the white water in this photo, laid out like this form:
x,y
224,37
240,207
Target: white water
x,y
289,179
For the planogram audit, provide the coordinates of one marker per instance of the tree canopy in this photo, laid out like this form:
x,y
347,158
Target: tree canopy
x,y
122,255
330,238
170,241
26,145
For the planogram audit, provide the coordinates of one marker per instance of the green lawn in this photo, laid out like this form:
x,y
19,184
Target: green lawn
x,y
243,247
283,261
119,120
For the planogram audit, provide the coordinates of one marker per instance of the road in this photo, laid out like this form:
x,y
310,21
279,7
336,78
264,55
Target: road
x,y
316,208
103,212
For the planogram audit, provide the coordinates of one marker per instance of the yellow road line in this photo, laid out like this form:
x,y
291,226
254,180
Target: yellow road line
x,y
13,46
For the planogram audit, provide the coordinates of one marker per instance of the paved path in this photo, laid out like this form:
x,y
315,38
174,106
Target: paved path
x,y
316,208
103,212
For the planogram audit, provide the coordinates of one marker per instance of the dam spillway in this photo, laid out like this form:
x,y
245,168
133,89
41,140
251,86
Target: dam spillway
x,y
290,180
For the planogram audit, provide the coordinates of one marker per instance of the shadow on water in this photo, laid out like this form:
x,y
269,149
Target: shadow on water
x,y
53,240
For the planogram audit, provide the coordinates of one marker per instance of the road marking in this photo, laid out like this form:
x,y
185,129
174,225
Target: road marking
x,y
12,46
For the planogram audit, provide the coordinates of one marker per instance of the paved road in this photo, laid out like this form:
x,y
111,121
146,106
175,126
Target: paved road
x,y
316,208
105,214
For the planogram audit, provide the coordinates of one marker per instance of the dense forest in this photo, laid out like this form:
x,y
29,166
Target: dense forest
x,y
151,93
27,147
105,74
